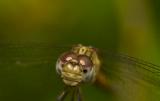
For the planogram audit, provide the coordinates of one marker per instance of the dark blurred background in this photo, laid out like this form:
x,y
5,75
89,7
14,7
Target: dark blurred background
x,y
33,33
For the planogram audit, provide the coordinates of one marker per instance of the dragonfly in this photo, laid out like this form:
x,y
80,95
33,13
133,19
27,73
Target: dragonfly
x,y
77,65
82,64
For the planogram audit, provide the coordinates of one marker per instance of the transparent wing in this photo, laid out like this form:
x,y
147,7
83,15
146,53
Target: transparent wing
x,y
122,66
30,53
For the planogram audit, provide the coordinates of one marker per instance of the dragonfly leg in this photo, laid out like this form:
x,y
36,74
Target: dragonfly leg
x,y
63,95
79,95
73,94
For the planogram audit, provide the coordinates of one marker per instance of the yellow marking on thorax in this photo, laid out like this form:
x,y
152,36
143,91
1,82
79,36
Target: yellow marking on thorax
x,y
85,51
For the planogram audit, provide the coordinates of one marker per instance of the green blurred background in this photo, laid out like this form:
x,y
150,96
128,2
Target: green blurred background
x,y
33,33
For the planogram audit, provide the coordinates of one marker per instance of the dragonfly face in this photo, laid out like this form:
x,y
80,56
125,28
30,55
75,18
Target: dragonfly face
x,y
78,65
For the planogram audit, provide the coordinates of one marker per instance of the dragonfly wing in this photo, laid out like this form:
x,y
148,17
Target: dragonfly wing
x,y
132,68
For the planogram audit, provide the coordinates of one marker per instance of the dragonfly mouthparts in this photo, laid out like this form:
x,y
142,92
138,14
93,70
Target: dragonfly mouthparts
x,y
71,79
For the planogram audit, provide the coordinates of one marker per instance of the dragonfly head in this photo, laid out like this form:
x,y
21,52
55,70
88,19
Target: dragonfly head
x,y
76,67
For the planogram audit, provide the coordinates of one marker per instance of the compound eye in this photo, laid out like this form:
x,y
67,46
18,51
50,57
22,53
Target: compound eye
x,y
86,62
68,56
